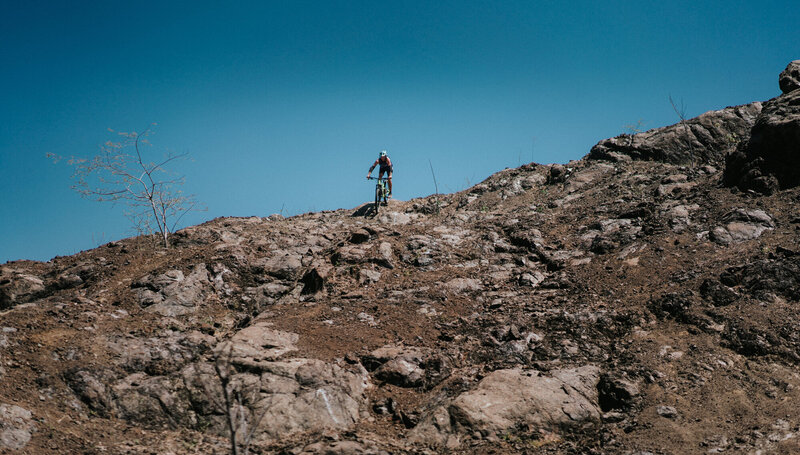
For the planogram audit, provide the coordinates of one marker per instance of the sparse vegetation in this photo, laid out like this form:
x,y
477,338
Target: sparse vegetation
x,y
682,116
121,172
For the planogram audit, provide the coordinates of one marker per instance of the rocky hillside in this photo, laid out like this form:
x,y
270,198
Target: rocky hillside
x,y
641,300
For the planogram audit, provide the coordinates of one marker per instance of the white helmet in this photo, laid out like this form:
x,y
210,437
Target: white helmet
x,y
383,153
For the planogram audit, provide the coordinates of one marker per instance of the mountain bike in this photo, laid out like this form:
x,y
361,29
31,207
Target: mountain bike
x,y
381,192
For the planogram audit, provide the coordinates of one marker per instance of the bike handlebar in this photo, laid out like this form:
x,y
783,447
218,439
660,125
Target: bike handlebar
x,y
377,178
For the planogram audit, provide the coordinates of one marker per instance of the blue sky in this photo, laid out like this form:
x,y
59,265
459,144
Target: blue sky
x,y
283,105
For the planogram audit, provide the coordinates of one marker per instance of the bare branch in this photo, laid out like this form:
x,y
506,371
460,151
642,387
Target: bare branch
x,y
436,185
115,174
682,115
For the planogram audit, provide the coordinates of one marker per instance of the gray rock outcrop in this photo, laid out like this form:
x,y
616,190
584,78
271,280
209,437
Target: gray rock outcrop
x,y
742,225
284,397
508,400
18,287
159,355
165,383
253,346
406,366
172,293
789,79
703,139
341,448
282,264
770,160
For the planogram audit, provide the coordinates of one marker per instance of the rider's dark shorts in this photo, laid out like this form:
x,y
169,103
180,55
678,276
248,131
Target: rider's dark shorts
x,y
387,169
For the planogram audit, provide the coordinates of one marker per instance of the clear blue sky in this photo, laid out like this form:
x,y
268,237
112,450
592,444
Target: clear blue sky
x,y
283,105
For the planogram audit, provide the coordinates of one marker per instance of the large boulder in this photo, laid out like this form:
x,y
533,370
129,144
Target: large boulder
x,y
406,366
703,139
255,345
282,264
17,287
742,225
159,355
172,293
770,160
16,425
514,400
153,400
286,397
789,80
464,285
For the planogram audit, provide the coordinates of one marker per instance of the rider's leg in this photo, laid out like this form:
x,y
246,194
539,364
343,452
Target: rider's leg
x,y
389,176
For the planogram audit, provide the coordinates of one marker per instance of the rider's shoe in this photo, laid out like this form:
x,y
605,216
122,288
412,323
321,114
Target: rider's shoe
x,y
389,195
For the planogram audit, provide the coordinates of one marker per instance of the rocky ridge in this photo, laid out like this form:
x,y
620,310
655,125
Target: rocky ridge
x,y
628,302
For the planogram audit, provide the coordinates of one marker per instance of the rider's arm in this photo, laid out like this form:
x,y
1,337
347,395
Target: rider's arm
x,y
372,167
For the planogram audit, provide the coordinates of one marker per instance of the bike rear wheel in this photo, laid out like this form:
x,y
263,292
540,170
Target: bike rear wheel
x,y
377,197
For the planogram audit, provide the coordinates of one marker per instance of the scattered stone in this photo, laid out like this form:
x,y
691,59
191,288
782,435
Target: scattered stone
x,y
667,411
613,417
461,285
386,255
396,218
679,216
672,305
781,277
368,319
16,426
314,280
350,254
368,276
341,448
717,293
616,392
670,189
359,236
531,279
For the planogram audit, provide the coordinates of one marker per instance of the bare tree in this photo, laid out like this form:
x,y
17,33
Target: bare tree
x,y
682,115
233,404
633,129
121,173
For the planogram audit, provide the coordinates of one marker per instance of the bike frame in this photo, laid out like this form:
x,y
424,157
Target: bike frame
x,y
380,191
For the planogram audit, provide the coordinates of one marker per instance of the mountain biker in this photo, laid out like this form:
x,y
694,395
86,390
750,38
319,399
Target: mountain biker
x,y
386,166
